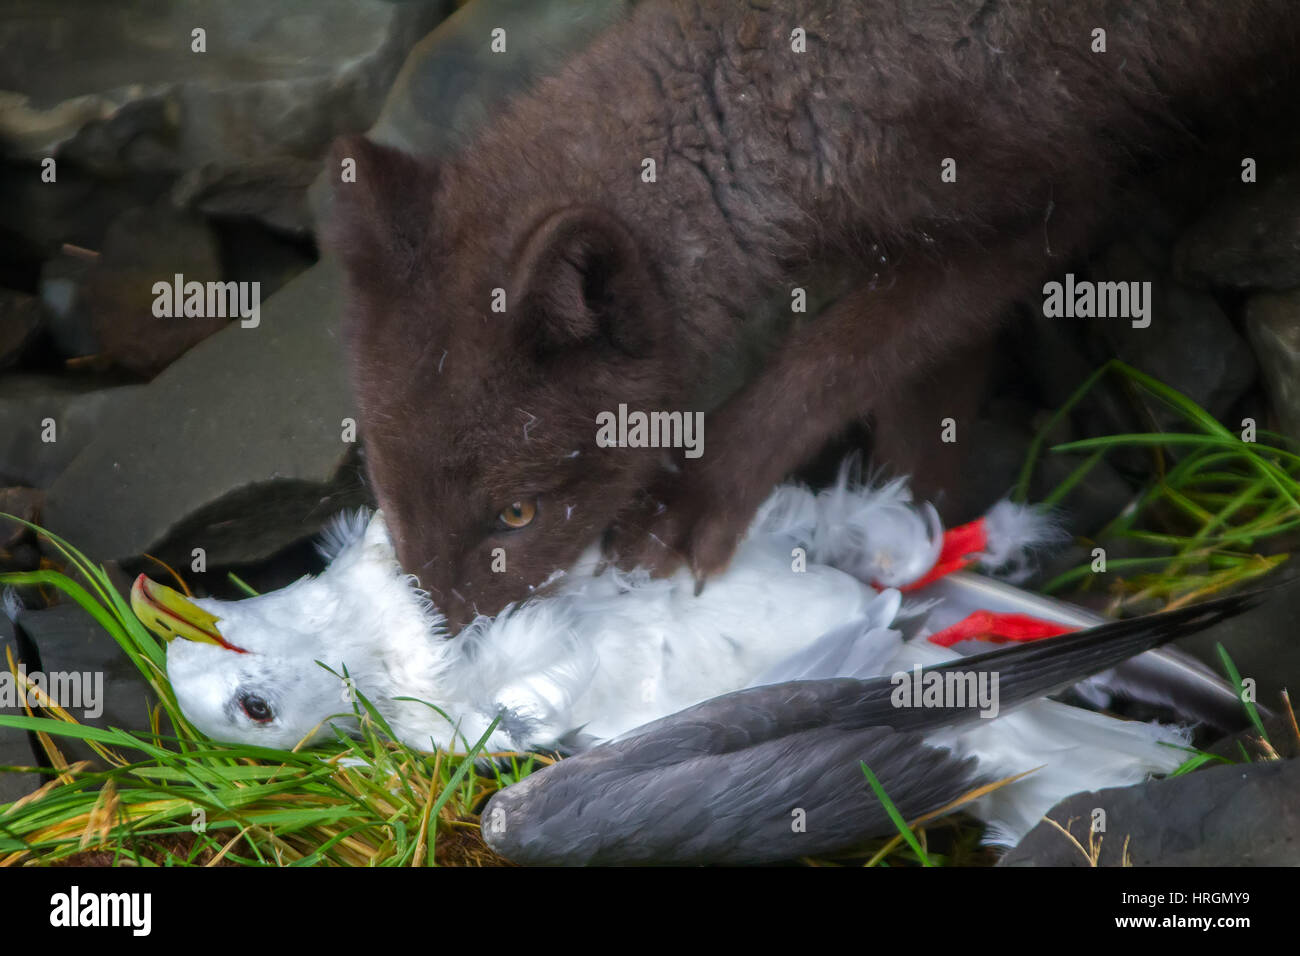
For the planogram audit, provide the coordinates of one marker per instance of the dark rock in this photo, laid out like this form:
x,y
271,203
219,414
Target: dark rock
x,y
21,320
1240,815
237,447
1248,240
1057,355
1051,354
78,408
77,209
1273,324
142,247
115,88
1278,740
1149,220
1192,346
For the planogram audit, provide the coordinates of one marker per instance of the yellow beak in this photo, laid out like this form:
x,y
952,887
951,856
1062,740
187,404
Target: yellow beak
x,y
170,614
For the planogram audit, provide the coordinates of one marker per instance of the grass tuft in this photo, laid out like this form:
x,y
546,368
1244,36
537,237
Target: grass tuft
x,y
1214,516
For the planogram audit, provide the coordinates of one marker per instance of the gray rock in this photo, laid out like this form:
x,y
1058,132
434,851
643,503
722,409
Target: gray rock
x,y
1241,815
117,89
78,408
1191,344
144,246
1249,240
1273,324
237,447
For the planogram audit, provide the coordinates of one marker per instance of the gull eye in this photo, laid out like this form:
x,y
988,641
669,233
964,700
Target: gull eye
x,y
256,708
518,515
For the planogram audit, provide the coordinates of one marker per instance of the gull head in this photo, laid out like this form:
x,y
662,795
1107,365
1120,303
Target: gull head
x,y
270,670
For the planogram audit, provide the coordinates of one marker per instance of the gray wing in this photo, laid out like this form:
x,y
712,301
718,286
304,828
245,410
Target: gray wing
x,y
723,781
747,778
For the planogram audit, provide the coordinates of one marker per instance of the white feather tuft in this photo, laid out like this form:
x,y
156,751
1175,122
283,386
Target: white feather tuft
x,y
877,534
1014,532
342,530
790,510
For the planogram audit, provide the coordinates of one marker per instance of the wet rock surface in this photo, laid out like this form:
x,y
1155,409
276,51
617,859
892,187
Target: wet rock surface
x,y
47,420
1240,815
238,447
241,125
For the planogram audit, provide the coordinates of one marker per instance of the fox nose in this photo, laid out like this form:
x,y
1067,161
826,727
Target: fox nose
x,y
458,613
452,605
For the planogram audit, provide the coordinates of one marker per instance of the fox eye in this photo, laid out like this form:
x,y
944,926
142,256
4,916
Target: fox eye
x,y
518,515
256,708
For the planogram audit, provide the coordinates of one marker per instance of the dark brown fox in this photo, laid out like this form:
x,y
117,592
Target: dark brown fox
x,y
623,234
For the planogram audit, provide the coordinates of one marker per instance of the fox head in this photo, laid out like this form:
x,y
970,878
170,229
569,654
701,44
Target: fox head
x,y
485,337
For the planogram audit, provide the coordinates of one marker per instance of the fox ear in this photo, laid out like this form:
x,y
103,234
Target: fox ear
x,y
581,279
381,205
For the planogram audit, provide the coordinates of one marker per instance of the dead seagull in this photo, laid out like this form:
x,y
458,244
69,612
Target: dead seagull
x,y
657,674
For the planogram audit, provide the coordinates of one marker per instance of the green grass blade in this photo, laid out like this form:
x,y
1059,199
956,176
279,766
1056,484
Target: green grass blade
x,y
903,830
